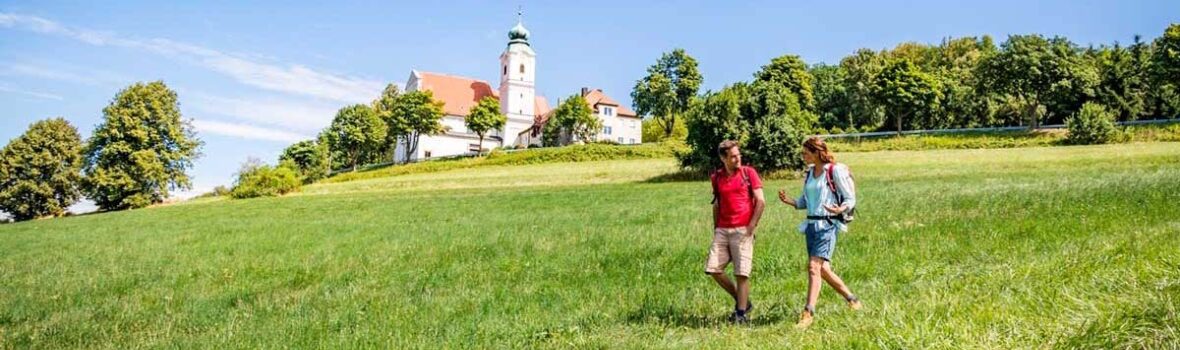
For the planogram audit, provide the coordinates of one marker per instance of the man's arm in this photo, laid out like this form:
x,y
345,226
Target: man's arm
x,y
716,213
759,205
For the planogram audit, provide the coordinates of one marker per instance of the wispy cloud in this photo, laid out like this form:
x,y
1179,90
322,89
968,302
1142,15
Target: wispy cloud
x,y
305,116
91,77
28,93
246,131
293,78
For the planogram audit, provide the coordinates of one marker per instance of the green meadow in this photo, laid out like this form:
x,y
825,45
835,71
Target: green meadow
x,y
1049,247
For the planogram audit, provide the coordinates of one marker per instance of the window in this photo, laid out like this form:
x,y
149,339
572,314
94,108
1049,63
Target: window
x,y
632,141
505,69
522,69
426,155
633,124
608,111
473,147
620,139
606,130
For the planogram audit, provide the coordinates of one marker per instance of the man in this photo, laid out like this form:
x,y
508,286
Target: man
x,y
737,206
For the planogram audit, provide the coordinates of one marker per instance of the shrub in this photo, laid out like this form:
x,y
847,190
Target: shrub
x,y
1093,124
310,159
218,191
258,180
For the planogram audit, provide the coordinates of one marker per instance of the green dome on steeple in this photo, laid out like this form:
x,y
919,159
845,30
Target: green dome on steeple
x,y
518,34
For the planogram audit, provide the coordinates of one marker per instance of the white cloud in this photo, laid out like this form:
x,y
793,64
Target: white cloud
x,y
246,131
306,116
293,79
41,95
59,73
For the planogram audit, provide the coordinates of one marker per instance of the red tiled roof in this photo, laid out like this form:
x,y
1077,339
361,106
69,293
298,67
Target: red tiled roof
x,y
596,97
459,94
593,98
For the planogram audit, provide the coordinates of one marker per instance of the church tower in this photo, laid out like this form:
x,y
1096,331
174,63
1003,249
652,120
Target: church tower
x,y
518,72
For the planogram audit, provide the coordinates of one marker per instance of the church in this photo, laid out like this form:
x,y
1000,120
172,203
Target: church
x,y
526,111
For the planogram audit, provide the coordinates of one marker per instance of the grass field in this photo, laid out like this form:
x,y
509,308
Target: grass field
x,y
1061,247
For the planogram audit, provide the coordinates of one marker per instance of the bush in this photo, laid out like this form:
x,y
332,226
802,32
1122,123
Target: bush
x,y
535,155
310,159
1093,124
653,130
258,180
218,191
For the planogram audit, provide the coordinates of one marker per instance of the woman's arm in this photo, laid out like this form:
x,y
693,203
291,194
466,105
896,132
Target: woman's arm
x,y
800,203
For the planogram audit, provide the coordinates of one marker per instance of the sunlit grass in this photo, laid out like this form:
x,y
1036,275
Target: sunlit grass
x,y
1012,248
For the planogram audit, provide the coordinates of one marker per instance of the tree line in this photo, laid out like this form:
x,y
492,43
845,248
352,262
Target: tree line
x,y
1027,80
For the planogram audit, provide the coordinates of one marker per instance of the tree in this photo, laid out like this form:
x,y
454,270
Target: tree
x,y
765,118
860,70
141,149
1040,74
309,158
831,97
791,72
416,114
485,117
1122,83
396,126
573,120
906,92
653,132
355,132
954,65
1165,73
1165,58
668,89
40,170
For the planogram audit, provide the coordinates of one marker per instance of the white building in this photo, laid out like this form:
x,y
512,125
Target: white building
x,y
525,110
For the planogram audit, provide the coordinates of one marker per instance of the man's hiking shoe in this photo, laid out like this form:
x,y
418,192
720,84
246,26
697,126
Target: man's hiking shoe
x,y
738,318
805,320
855,304
749,306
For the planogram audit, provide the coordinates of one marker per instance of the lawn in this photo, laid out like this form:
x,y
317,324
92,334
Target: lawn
x,y
1060,247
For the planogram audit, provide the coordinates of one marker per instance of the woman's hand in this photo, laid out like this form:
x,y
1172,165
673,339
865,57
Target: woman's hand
x,y
782,196
834,209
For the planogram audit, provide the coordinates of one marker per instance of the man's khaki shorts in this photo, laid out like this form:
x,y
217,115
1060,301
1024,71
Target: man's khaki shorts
x,y
731,244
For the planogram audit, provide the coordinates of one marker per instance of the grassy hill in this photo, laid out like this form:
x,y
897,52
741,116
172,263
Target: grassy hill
x,y
1058,247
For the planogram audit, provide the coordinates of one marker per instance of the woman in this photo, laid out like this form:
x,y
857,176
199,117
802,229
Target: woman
x,y
824,201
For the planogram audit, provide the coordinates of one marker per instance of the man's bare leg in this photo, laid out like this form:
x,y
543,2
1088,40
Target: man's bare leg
x,y
726,284
743,293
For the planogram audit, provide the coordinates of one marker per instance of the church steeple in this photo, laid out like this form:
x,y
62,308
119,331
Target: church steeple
x,y
518,72
518,34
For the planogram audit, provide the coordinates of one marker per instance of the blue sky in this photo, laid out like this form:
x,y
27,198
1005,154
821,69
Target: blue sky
x,y
256,76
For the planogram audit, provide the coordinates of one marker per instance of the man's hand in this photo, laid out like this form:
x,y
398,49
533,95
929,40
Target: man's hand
x,y
750,231
834,209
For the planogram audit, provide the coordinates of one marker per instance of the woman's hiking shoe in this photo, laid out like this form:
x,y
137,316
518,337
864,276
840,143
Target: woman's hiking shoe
x,y
805,320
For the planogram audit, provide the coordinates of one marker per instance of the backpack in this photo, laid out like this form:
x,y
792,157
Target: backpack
x,y
745,180
848,215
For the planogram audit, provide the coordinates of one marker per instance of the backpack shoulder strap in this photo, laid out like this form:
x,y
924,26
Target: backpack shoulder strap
x,y
713,182
746,180
831,179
